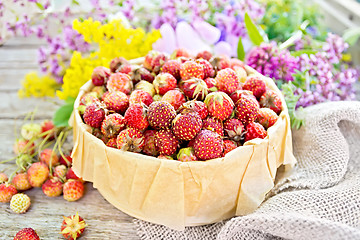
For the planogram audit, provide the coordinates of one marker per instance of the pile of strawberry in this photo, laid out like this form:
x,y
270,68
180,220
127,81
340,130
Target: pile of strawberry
x,y
180,106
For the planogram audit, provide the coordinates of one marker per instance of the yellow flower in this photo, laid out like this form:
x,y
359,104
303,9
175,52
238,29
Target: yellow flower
x,y
34,85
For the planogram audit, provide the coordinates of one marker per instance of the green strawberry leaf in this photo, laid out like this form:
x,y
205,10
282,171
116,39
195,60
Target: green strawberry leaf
x,y
253,31
40,6
240,50
62,114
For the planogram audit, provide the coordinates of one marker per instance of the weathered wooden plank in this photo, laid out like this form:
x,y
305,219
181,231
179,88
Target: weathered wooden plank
x,y
10,55
10,79
23,42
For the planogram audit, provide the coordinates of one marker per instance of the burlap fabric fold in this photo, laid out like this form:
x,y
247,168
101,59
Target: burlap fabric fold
x,y
319,200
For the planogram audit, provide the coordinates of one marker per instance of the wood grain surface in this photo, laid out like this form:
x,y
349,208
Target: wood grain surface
x,y
17,57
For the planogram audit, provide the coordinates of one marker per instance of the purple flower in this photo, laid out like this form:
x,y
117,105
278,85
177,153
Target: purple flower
x,y
334,47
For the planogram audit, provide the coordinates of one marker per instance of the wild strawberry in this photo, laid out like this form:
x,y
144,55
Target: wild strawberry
x,y
241,73
72,227
164,82
149,58
48,129
220,62
213,124
71,175
37,174
227,81
246,110
254,130
183,60
186,155
194,88
211,84
149,143
131,140
174,97
24,146
116,63
208,145
186,126
234,62
117,101
166,142
112,125
146,86
204,55
20,203
49,157
100,75
7,190
94,115
272,100
60,171
208,68
162,156
112,143
67,161
234,129
172,67
267,117
3,177
135,117
191,143
126,68
119,82
21,182
98,91
229,145
73,190
140,96
235,96
197,106
158,61
219,105
191,69
52,187
256,85
180,52
30,130
87,99
26,234
97,133
141,73
161,114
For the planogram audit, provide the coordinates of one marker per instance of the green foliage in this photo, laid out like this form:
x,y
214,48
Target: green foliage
x,y
253,32
291,100
62,114
352,35
240,50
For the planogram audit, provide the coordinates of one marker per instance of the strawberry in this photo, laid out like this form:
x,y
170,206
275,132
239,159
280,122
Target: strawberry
x,y
161,114
196,106
208,145
71,175
272,100
119,82
172,67
141,73
220,62
100,75
126,68
267,117
180,52
219,105
48,129
235,96
194,88
98,91
72,227
149,58
87,99
186,155
112,125
211,84
49,157
6,192
149,143
131,140
227,81
3,177
186,126
140,96
166,142
208,68
182,60
229,145
73,190
21,182
24,146
254,130
60,171
20,203
37,174
213,124
97,133
30,130
135,117
145,86
204,55
256,85
246,110
112,143
234,63
116,101
174,97
52,187
94,115
164,82
234,129
67,161
191,69
116,63
26,234
158,61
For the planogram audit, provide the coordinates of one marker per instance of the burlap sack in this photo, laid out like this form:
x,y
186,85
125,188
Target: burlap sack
x,y
178,194
320,200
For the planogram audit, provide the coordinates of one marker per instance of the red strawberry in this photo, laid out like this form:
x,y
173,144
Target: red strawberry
x,y
208,68
94,115
172,67
149,58
158,61
205,55
186,155
72,227
186,126
112,143
227,81
100,75
191,69
126,68
26,234
220,62
161,114
112,125
3,177
256,85
131,140
149,143
21,182
208,145
141,73
246,110
267,117
6,192
73,190
234,129
119,82
67,161
272,100
166,142
48,129
194,88
196,106
235,96
135,117
87,99
219,105
24,146
116,101
213,124
116,63
234,62
71,174
52,187
60,172
180,52
211,84
254,130
145,86
164,82
229,145
183,59
37,174
174,97
49,157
